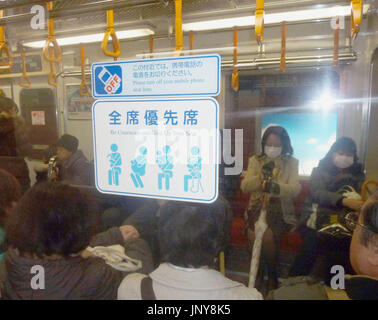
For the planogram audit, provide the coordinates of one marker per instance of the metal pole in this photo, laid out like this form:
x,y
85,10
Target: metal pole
x,y
20,3
77,10
101,6
228,64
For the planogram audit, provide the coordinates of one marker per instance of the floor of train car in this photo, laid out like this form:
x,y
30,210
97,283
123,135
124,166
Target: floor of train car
x,y
238,263
238,260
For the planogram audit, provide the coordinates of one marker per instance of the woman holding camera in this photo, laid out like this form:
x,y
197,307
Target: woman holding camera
x,y
274,171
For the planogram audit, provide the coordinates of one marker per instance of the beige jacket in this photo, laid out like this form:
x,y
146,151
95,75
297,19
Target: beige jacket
x,y
174,283
285,173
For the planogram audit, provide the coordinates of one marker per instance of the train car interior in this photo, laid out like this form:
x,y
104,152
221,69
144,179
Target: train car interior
x,y
310,67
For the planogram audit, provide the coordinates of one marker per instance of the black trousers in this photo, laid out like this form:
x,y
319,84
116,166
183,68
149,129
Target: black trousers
x,y
335,251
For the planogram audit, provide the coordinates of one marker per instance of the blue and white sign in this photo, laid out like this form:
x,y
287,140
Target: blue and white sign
x,y
175,77
163,148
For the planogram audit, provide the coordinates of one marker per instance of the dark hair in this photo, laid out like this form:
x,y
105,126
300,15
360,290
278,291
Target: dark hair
x,y
342,144
68,142
287,149
192,235
7,104
370,220
10,190
52,218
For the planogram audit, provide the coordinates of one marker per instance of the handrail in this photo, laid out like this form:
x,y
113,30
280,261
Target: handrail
x,y
364,187
56,55
355,18
336,45
178,27
52,78
228,64
110,32
283,48
83,89
235,71
259,21
24,76
4,46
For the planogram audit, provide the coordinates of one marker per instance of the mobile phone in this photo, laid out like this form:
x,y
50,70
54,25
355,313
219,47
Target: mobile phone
x,y
104,75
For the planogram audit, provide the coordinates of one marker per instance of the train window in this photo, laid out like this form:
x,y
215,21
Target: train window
x,y
300,102
311,134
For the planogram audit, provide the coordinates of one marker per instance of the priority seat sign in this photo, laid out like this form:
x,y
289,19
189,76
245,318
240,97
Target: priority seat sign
x,y
163,148
174,77
156,127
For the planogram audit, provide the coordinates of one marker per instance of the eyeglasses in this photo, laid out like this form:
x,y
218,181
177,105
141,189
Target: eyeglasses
x,y
351,222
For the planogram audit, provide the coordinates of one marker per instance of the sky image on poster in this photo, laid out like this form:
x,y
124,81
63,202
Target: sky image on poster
x,y
311,135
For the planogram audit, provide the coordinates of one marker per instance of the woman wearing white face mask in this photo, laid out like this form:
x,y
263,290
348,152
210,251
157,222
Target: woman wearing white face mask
x,y
327,204
276,161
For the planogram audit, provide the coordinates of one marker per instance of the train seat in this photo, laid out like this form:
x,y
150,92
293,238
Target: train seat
x,y
290,242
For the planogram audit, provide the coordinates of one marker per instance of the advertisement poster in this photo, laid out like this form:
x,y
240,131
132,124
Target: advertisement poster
x,y
78,107
38,118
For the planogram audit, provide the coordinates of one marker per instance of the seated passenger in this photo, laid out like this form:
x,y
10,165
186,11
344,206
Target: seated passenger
x,y
51,228
145,223
331,197
191,237
72,163
363,257
276,163
10,192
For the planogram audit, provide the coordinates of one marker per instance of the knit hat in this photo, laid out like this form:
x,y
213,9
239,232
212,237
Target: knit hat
x,y
68,142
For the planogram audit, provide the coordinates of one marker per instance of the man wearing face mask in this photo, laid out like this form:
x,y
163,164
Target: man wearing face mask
x,y
274,171
334,191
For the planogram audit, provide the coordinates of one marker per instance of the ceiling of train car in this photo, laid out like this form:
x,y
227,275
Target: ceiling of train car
x,y
81,15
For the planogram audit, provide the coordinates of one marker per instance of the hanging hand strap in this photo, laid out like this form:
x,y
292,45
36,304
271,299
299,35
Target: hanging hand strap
x,y
283,48
56,55
235,72
178,27
259,22
364,188
24,80
4,46
355,18
110,32
336,45
83,89
52,78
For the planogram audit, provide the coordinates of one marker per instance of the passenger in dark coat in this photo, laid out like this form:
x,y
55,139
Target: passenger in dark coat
x,y
54,233
145,220
331,198
14,142
72,163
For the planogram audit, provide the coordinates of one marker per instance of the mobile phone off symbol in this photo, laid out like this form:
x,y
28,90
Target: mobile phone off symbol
x,y
111,82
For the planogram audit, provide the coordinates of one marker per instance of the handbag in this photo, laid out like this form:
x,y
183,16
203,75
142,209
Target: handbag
x,y
336,227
